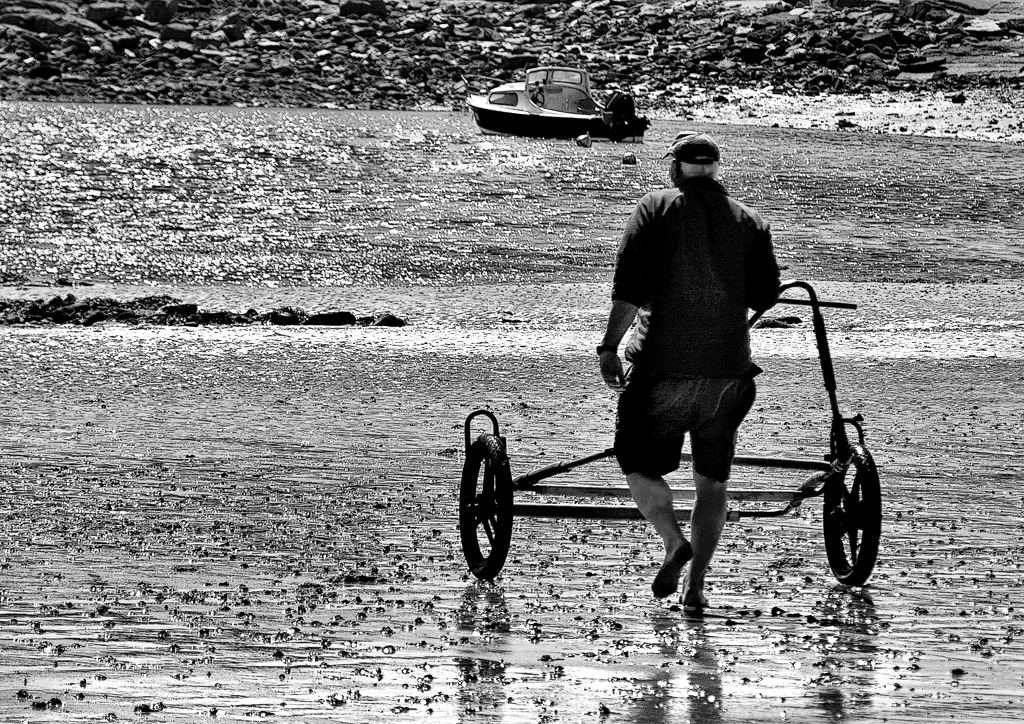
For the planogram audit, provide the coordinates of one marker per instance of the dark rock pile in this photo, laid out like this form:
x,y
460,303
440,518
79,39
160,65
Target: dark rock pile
x,y
165,310
778,322
395,54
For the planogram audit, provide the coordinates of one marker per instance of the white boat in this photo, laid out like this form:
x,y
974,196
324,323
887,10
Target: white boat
x,y
556,102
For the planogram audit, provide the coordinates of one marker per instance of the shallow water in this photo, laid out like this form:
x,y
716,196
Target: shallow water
x,y
258,197
261,521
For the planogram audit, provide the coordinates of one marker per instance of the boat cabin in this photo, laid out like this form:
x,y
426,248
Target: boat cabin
x,y
566,90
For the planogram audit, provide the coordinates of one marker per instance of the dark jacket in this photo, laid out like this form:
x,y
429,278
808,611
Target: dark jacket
x,y
695,261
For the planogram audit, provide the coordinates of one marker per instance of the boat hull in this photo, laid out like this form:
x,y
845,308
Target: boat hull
x,y
512,122
533,125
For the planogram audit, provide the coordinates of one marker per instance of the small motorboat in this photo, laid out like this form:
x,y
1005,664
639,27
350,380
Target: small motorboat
x,y
556,102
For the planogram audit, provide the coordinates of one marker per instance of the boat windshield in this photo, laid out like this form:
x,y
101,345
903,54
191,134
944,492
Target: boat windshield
x,y
573,77
536,76
556,76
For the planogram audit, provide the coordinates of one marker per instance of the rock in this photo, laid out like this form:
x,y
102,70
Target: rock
x,y
482,21
79,311
289,54
968,7
513,61
388,320
125,41
362,7
166,310
153,303
922,9
41,21
585,140
433,39
103,12
149,708
879,40
276,22
177,31
233,32
774,19
929,65
230,19
752,52
129,315
871,60
950,23
44,70
7,277
629,159
984,28
821,81
282,66
332,319
417,23
286,316
209,40
181,310
161,11
777,322
15,33
221,318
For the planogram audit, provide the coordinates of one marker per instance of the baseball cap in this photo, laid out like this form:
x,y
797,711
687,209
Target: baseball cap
x,y
693,147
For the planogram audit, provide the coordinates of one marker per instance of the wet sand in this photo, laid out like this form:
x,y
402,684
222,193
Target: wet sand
x,y
261,522
265,521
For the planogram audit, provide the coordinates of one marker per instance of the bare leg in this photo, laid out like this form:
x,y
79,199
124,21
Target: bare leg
x,y
654,499
706,524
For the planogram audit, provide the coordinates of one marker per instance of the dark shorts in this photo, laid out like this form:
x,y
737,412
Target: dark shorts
x,y
656,413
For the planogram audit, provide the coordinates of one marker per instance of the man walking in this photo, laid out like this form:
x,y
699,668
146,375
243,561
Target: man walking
x,y
691,262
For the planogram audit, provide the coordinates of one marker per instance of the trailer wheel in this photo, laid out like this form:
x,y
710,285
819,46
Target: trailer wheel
x,y
852,521
485,507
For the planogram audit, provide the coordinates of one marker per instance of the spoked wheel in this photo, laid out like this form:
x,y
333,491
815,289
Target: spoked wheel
x,y
852,521
485,507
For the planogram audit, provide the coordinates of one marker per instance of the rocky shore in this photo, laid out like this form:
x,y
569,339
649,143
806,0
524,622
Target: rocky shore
x,y
419,54
166,310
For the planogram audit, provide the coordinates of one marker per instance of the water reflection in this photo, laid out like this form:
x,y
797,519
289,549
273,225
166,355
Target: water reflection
x,y
704,677
484,615
823,663
849,651
687,684
738,662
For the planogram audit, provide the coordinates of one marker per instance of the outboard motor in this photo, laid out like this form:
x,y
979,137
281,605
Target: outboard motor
x,y
620,115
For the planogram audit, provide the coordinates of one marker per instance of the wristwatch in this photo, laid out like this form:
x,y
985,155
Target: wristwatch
x,y
607,348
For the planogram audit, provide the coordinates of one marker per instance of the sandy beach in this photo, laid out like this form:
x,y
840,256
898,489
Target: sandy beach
x,y
260,522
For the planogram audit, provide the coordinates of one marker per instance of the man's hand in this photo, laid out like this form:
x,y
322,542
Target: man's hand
x,y
611,370
619,320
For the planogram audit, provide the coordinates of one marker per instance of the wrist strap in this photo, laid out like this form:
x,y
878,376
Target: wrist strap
x,y
607,348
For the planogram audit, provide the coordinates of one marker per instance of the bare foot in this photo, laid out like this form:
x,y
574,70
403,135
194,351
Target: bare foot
x,y
667,581
693,598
